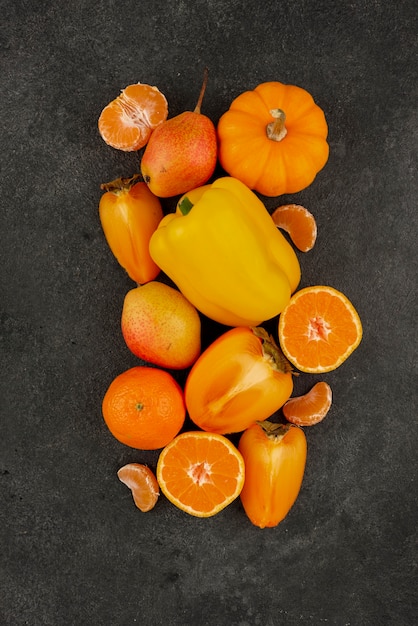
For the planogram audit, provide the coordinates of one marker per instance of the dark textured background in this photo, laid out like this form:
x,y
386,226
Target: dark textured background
x,y
74,548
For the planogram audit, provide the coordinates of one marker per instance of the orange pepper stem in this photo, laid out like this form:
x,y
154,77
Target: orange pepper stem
x,y
272,351
274,431
120,185
276,131
202,91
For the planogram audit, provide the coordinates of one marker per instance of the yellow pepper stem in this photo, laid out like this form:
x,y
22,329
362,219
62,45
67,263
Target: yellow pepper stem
x,y
185,206
276,131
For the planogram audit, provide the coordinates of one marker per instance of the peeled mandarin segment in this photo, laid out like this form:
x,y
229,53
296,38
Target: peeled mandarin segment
x,y
120,134
143,484
299,223
145,104
319,329
310,408
127,122
200,473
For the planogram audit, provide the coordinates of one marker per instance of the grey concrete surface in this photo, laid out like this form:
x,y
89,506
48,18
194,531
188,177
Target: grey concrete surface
x,y
74,549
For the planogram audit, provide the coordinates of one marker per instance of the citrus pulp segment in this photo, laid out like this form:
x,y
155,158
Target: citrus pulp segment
x,y
143,484
299,223
128,121
201,473
310,408
319,329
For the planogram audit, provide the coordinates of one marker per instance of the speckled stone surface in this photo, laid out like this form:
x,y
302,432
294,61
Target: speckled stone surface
x,y
74,549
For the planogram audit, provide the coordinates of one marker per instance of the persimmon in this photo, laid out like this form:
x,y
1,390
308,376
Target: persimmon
x,y
130,214
275,459
240,378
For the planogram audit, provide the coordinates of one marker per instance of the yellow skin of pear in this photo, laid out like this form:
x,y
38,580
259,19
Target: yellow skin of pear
x,y
160,326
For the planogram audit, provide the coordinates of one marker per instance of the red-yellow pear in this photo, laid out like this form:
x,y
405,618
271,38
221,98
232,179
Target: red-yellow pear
x,y
181,153
160,326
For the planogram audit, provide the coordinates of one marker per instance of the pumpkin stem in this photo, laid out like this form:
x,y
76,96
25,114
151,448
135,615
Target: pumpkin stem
x,y
276,131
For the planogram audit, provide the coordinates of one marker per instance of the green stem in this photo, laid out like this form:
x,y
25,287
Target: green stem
x,y
185,206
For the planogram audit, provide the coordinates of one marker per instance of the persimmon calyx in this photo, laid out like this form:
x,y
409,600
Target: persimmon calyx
x,y
276,130
121,185
271,351
274,431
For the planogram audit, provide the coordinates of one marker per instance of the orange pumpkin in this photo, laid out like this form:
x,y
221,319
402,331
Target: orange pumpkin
x,y
273,139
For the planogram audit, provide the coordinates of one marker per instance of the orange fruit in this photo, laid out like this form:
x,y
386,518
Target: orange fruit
x,y
144,408
143,484
201,473
311,408
299,223
128,121
319,329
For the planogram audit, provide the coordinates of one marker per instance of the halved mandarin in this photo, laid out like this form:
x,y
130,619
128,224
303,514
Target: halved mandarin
x,y
128,121
200,473
319,329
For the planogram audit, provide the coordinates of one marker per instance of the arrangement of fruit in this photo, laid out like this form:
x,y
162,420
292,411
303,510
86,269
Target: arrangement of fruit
x,y
228,261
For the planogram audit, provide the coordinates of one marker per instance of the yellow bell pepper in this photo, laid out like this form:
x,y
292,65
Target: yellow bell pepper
x,y
225,254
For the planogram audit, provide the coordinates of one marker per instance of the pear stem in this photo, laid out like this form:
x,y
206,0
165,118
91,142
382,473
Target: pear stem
x,y
202,91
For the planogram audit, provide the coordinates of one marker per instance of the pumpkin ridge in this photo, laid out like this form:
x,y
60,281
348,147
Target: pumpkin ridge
x,y
273,167
246,102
